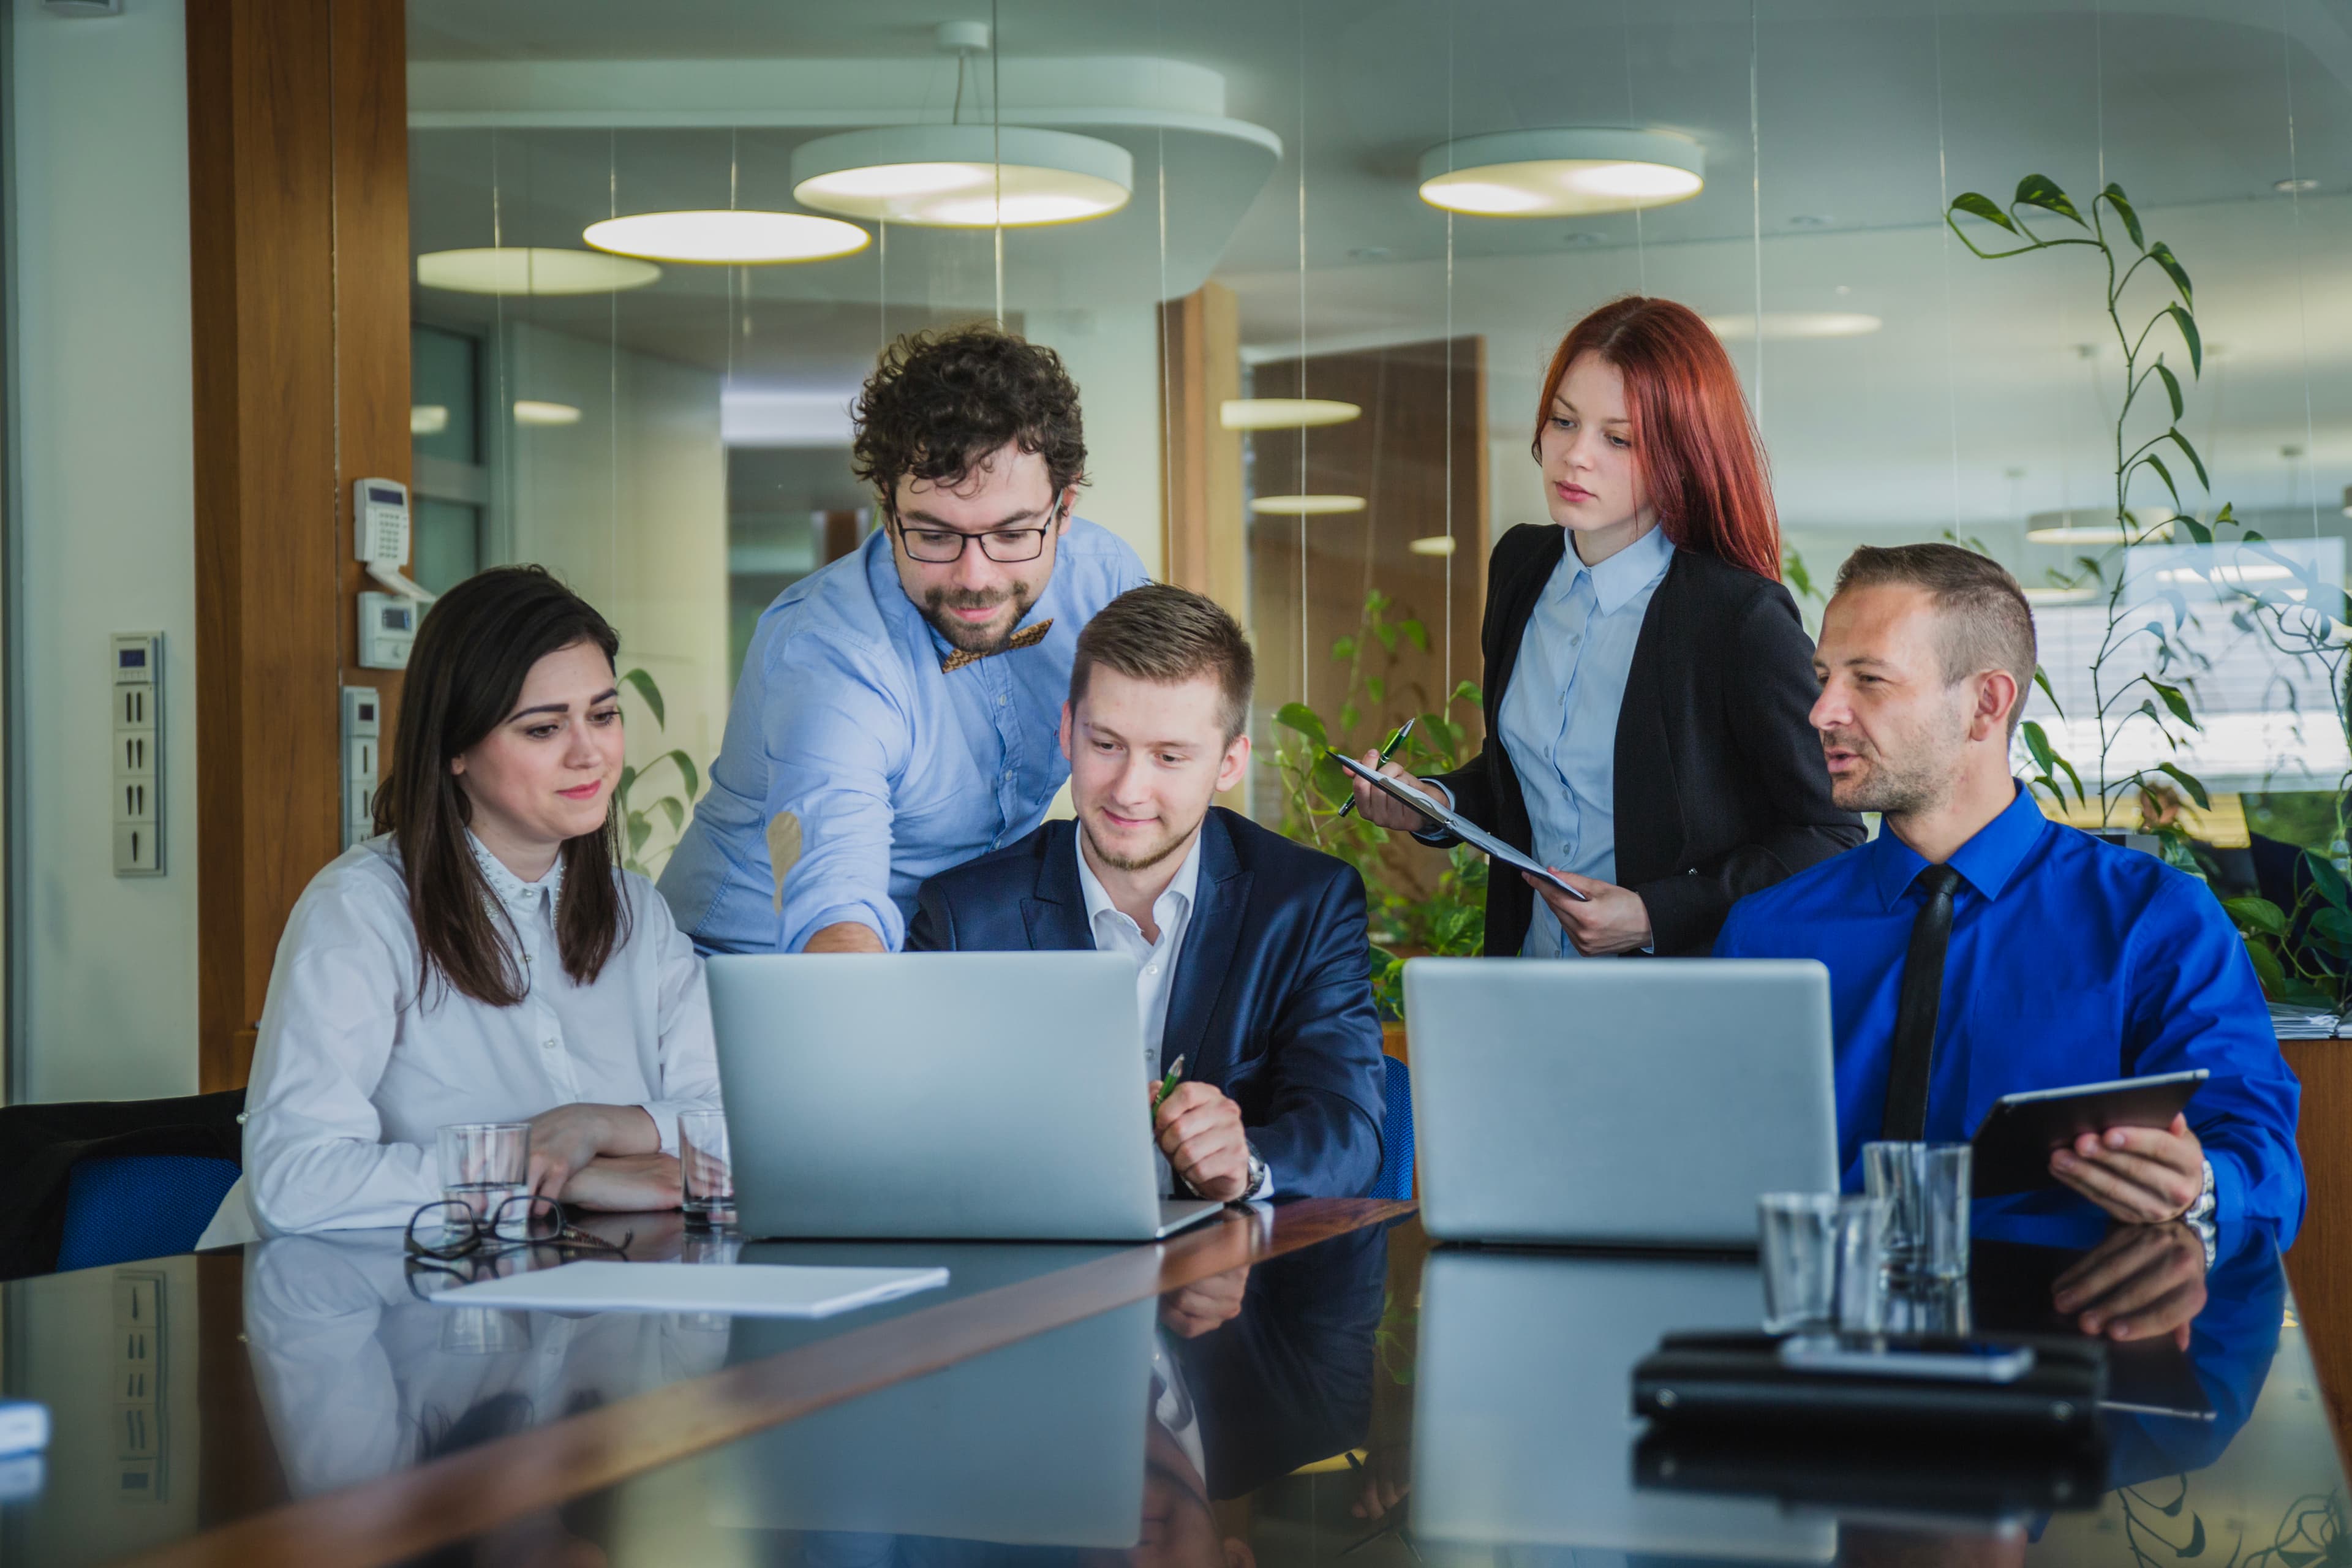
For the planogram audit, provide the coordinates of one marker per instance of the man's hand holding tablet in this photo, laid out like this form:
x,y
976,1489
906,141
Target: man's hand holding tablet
x,y
2142,1176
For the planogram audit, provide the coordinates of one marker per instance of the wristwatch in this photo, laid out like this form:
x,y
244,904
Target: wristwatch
x,y
2199,1215
1259,1172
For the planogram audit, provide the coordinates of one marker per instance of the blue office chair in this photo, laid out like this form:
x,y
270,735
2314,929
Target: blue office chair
x,y
1395,1180
130,1206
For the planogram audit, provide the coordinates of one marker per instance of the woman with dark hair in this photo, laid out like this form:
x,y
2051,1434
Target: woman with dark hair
x,y
1646,691
483,958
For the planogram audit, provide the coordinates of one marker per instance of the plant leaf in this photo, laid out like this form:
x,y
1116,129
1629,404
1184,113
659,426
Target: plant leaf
x,y
2037,745
2178,704
2162,254
2153,461
670,808
2268,970
645,689
2198,532
2187,324
2171,386
1344,650
686,770
2041,679
1388,635
2195,461
2079,797
2042,191
2328,879
1416,633
1299,717
628,777
2256,914
1982,206
639,831
1467,691
1376,688
1348,716
2114,195
2189,781
2196,1547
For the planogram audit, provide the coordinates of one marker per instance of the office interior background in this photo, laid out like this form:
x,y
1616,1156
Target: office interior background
x,y
258,252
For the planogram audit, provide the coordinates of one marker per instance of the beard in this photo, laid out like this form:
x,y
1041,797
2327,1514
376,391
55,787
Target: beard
x,y
1888,788
939,604
1143,860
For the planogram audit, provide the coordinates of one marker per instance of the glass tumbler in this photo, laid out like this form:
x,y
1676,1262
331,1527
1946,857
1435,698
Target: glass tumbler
x,y
1823,1257
1927,1186
484,1164
703,1164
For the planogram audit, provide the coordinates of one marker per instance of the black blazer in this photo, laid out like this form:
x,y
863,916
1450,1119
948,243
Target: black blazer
x,y
1720,785
1272,998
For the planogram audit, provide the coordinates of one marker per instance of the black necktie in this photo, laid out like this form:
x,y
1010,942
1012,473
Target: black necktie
x,y
1915,1011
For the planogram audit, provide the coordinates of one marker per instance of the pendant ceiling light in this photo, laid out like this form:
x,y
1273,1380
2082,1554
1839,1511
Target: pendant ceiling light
x,y
2151,525
1305,506
1563,172
951,176
1284,413
1788,324
532,269
728,239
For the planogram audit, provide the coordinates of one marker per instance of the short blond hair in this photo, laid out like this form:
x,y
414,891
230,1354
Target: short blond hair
x,y
1168,635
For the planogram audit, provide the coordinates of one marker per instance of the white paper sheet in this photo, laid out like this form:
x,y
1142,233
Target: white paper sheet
x,y
742,1290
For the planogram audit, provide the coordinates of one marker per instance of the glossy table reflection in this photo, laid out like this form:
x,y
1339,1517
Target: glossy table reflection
x,y
1318,1386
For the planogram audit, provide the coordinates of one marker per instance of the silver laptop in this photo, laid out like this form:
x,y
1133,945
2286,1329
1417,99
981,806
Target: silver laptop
x,y
1628,1102
959,1096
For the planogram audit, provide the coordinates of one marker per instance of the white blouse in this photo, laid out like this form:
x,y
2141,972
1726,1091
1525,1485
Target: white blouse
x,y
354,1071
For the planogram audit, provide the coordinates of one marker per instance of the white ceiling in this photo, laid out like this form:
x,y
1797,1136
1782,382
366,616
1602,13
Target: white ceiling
x,y
1973,404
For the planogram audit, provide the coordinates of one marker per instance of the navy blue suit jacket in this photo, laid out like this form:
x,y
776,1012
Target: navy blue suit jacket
x,y
1271,1000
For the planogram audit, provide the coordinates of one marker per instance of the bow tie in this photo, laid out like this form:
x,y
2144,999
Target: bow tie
x,y
1027,637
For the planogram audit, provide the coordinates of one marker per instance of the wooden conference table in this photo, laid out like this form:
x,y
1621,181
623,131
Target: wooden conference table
x,y
1286,1387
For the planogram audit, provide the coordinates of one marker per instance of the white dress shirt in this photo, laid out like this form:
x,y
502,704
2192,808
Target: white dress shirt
x,y
1155,962
354,1071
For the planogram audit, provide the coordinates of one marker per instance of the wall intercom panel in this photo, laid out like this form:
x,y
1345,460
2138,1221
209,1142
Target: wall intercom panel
x,y
134,663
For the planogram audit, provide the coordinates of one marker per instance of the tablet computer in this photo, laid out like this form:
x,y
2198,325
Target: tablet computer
x,y
2014,1144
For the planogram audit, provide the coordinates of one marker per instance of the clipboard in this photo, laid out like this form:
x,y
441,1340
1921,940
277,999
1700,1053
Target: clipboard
x,y
2014,1141
1462,828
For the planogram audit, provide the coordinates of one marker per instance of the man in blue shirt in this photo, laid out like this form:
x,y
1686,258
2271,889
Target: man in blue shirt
x,y
2064,959
898,711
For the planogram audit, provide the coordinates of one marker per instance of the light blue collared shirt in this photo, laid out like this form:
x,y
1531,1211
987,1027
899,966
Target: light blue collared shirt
x,y
1559,722
888,769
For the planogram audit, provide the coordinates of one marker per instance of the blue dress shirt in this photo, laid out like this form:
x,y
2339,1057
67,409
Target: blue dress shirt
x,y
2072,961
888,769
1559,720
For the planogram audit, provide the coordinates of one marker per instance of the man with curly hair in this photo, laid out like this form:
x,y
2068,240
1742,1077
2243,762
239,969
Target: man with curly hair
x,y
899,711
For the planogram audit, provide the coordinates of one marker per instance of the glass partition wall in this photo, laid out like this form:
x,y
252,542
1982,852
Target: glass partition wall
x,y
673,436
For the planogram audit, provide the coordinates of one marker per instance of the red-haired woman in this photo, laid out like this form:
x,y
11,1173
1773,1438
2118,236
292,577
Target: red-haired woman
x,y
1647,677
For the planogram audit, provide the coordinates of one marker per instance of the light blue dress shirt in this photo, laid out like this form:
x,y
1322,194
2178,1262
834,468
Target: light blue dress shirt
x,y
1558,720
888,769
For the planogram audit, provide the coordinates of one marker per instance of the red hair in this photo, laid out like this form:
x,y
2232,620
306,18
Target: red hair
x,y
1698,453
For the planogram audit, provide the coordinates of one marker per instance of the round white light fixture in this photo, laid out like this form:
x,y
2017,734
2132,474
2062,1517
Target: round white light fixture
x,y
427,418
2059,595
1284,413
951,176
2152,525
1561,173
530,411
532,269
1786,325
721,238
1306,506
1435,544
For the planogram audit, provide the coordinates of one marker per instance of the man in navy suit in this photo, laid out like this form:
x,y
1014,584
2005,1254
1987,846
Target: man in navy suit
x,y
1251,958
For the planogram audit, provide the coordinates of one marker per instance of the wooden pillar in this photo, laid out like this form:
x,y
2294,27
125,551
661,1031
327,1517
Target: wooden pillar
x,y
2319,1265
297,198
1200,349
839,536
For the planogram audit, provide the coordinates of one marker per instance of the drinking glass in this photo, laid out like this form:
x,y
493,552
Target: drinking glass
x,y
704,1163
1927,1186
1824,1261
1940,1308
484,1164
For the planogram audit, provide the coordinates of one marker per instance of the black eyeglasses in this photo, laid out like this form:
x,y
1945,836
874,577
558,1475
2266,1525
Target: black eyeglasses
x,y
445,1231
945,546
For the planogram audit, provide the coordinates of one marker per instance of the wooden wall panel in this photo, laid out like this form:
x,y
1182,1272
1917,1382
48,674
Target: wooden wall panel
x,y
1200,367
297,195
1395,457
2320,1262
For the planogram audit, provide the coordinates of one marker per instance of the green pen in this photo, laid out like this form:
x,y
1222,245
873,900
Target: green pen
x,y
1166,1085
